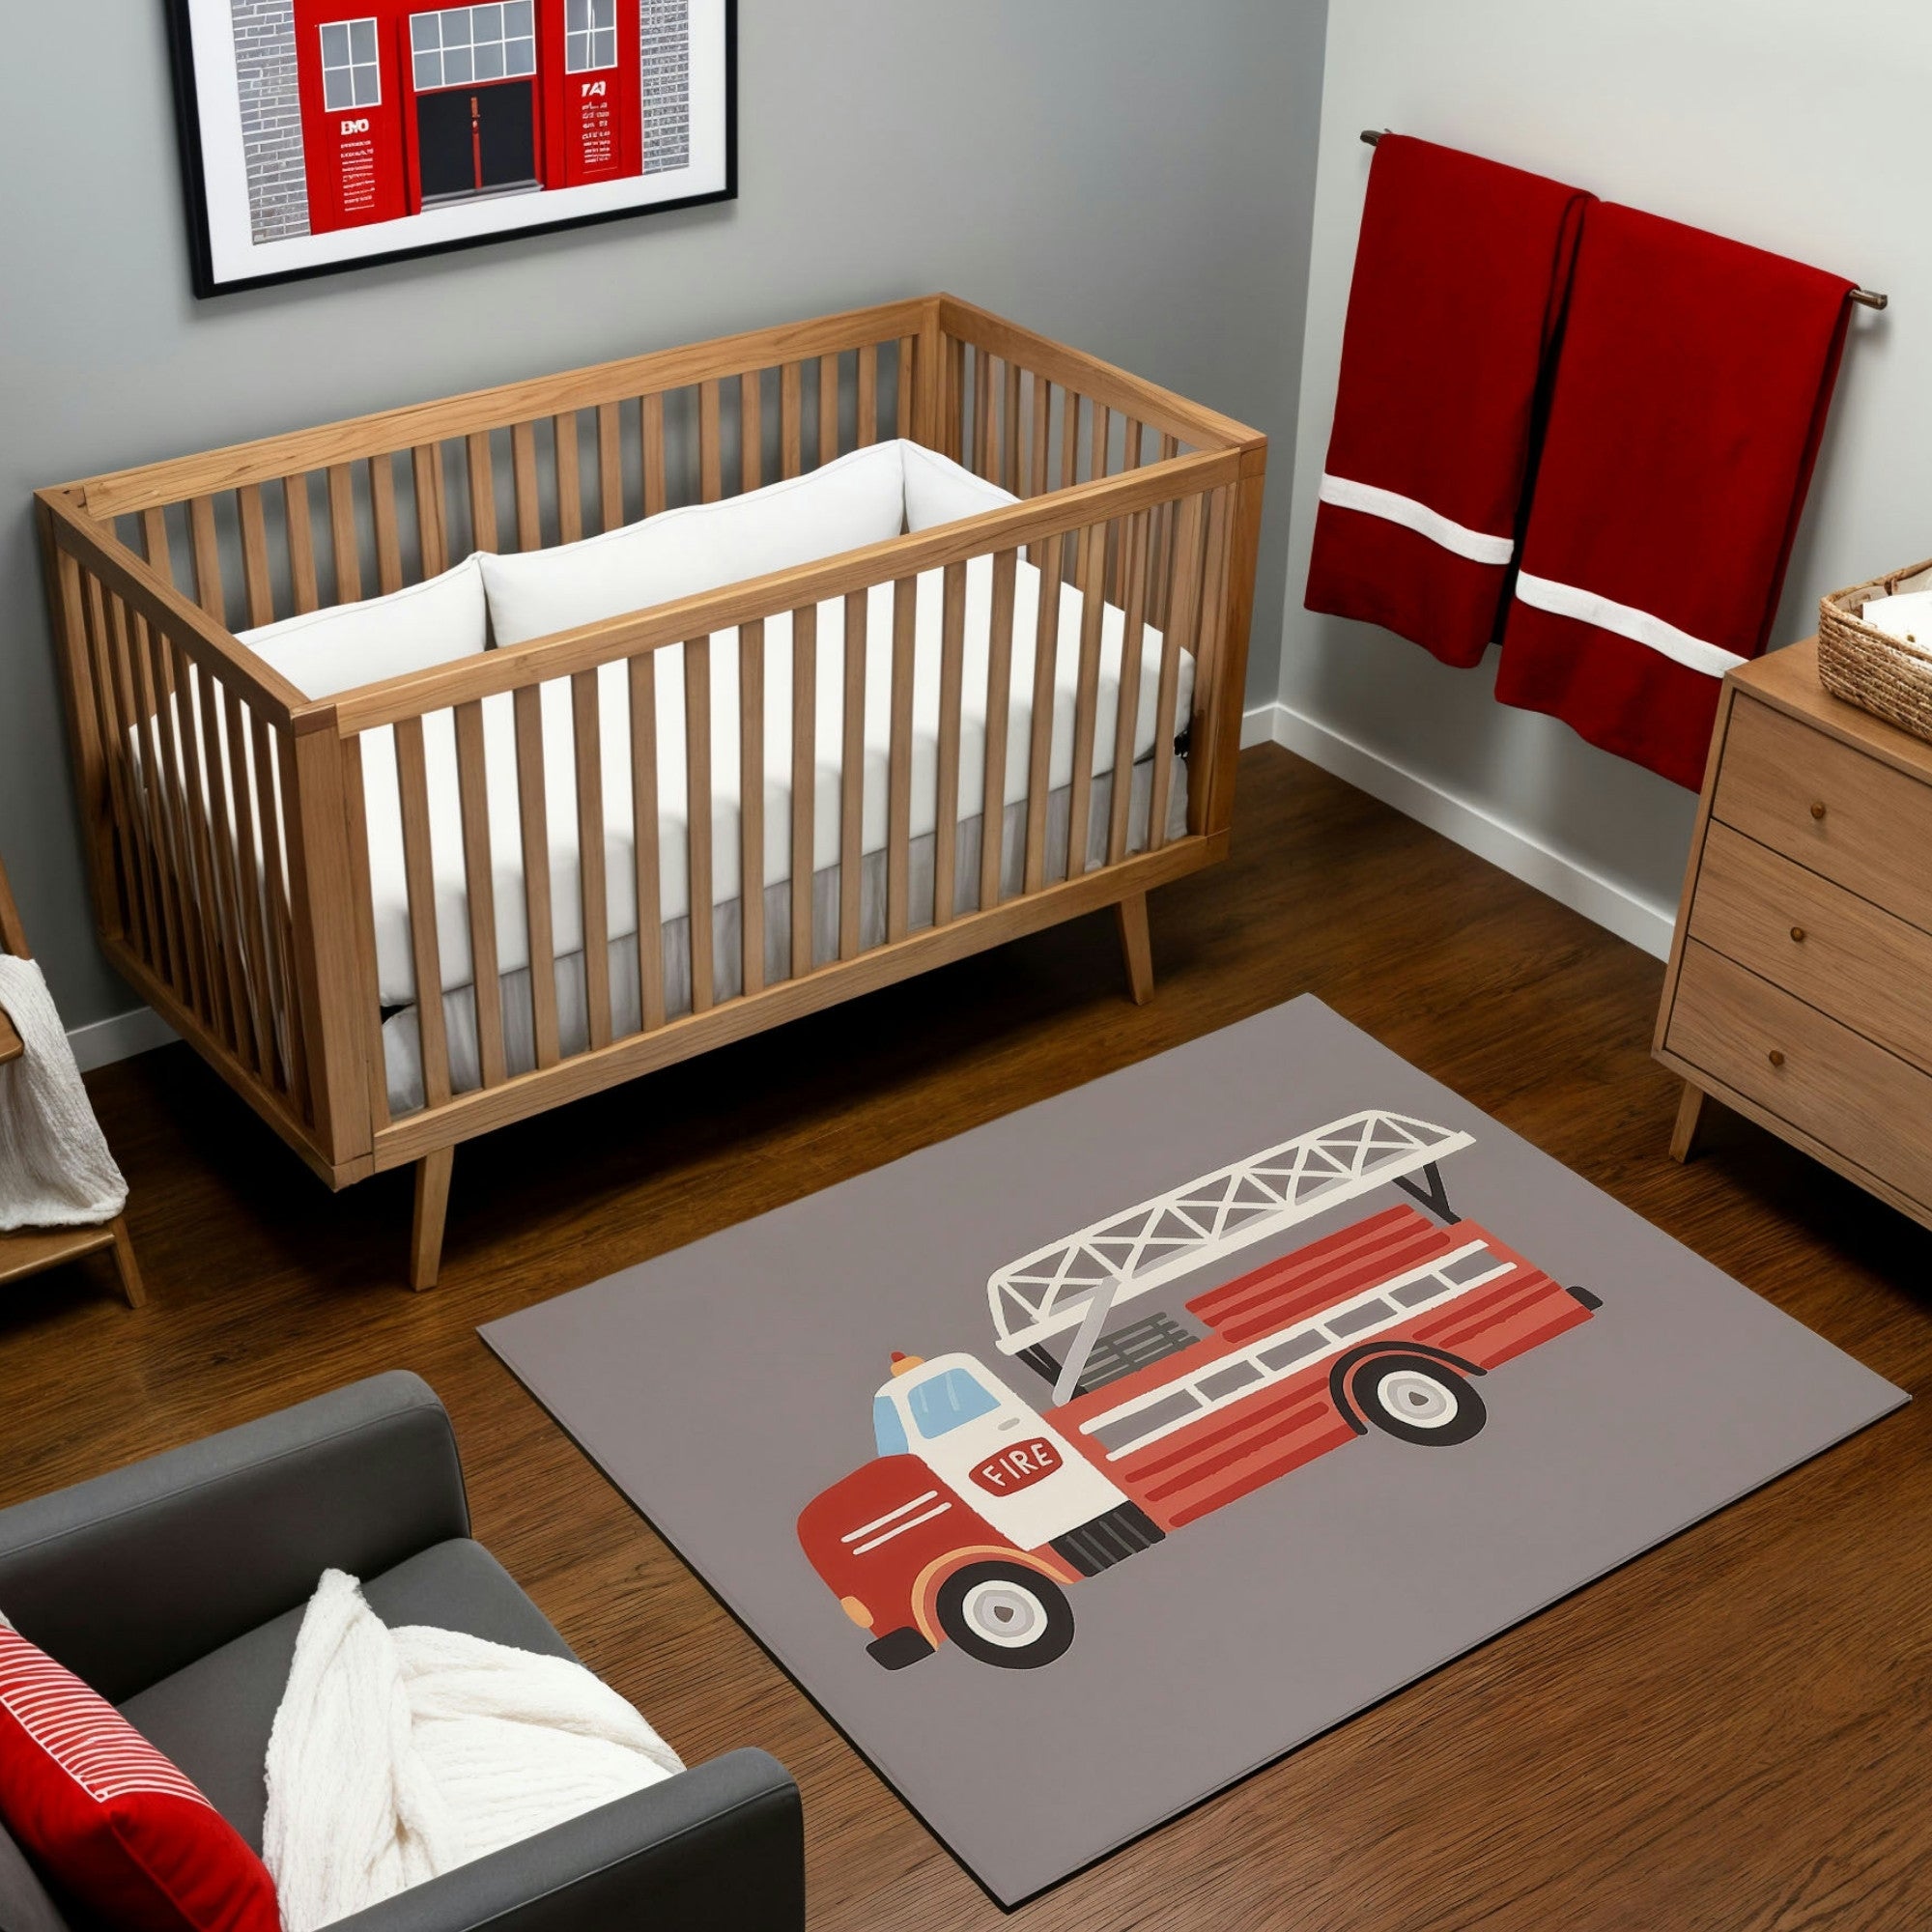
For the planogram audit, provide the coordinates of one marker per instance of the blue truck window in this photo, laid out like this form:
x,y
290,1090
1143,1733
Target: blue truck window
x,y
887,1431
947,1401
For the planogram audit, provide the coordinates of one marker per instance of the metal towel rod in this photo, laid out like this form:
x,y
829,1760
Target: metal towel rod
x,y
1867,297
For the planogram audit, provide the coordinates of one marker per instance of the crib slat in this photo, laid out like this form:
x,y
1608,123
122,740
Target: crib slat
x,y
828,408
652,411
898,762
354,811
1042,419
946,796
750,431
998,712
344,542
1184,603
1117,534
852,775
389,539
1069,443
804,781
157,772
587,730
1161,542
280,926
154,544
419,873
792,419
985,435
432,530
132,816
1086,707
533,810
204,803
301,542
751,801
1100,426
609,466
479,877
172,728
645,838
866,416
1010,479
1045,655
482,491
953,427
252,915
710,457
97,640
197,869
1205,727
208,590
697,814
569,476
903,398
1127,714
255,555
523,475
1089,569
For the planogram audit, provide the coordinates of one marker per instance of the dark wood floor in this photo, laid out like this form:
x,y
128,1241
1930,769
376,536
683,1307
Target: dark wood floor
x,y
1731,1732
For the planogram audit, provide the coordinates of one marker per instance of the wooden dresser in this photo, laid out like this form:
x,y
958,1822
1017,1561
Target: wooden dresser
x,y
1800,986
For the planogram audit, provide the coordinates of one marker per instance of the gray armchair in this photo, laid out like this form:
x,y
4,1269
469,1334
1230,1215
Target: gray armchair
x,y
176,1586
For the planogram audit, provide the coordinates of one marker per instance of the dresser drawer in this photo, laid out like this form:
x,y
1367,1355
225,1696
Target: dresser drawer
x,y
1833,809
1866,1104
1833,949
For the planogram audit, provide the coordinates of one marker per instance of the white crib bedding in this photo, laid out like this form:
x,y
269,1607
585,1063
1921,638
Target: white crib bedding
x,y
402,1038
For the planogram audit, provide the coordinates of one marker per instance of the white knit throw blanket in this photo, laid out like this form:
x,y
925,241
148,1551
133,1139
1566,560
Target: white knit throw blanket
x,y
399,1755
55,1170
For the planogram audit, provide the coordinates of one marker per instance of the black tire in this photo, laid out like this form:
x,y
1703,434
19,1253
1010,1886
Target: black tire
x,y
1007,1615
1417,1400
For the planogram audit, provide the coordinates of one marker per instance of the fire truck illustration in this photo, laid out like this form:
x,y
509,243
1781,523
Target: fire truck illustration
x,y
980,1508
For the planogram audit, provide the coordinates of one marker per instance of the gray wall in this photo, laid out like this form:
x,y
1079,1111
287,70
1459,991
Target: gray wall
x,y
1131,175
1734,115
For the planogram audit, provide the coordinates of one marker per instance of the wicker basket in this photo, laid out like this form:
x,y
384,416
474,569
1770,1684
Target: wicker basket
x,y
1885,676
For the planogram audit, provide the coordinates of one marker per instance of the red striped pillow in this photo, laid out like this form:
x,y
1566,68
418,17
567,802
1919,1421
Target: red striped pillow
x,y
109,1820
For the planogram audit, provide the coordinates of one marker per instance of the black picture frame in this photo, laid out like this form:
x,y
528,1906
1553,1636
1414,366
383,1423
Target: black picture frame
x,y
188,127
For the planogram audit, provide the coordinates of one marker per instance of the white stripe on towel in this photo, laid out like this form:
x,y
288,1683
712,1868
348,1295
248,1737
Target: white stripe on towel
x,y
1348,495
1566,599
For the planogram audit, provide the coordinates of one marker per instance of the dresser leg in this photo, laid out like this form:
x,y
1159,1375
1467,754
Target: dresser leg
x,y
1690,1118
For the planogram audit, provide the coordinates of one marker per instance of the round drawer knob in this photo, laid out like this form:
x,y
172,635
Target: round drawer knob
x,y
1778,1055
1798,934
1818,809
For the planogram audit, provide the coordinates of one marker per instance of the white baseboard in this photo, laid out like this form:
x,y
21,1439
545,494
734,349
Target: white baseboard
x,y
118,1037
1519,853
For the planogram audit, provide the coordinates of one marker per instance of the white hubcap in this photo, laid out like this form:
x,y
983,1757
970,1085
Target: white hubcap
x,y
1418,1400
1004,1614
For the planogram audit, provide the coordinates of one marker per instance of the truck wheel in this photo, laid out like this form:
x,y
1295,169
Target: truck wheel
x,y
1416,1400
1006,1615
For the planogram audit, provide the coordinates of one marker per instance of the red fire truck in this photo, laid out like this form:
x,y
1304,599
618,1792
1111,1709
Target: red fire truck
x,y
979,1508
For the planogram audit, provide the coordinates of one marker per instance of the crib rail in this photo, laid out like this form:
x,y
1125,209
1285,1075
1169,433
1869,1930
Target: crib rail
x,y
226,815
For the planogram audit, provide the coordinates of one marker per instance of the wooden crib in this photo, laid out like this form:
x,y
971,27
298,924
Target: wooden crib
x,y
244,918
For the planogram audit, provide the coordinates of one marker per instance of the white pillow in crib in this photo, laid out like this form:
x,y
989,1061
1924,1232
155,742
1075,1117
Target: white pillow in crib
x,y
430,623
940,491
845,504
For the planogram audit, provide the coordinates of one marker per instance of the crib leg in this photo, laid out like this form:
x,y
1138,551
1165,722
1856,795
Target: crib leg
x,y
126,1266
432,1210
1136,948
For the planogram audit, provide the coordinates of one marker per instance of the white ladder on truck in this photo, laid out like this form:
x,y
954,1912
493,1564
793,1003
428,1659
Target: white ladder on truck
x,y
1077,1281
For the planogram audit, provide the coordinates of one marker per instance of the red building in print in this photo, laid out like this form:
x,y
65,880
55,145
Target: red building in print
x,y
406,107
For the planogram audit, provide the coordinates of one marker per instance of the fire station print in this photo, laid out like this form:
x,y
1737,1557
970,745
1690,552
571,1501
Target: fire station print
x,y
988,1498
402,107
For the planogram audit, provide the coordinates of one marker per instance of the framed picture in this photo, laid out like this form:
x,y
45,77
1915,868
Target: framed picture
x,y
323,135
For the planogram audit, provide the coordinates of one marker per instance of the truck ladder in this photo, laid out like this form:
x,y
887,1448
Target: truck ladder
x,y
1077,1281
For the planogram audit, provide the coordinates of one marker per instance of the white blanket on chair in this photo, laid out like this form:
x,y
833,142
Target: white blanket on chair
x,y
55,1170
398,1754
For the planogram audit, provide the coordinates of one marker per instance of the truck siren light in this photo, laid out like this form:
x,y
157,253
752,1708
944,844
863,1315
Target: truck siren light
x,y
901,1362
1154,1241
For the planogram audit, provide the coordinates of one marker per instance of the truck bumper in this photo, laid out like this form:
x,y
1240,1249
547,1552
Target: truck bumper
x,y
898,1648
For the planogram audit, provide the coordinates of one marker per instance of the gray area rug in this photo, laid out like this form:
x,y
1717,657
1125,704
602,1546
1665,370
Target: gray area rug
x,y
1084,1464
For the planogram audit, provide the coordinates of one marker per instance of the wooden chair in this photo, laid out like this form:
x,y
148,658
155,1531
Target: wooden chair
x,y
29,1250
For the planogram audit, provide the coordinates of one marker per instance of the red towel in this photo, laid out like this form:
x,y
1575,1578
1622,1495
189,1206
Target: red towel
x,y
1460,277
1689,396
